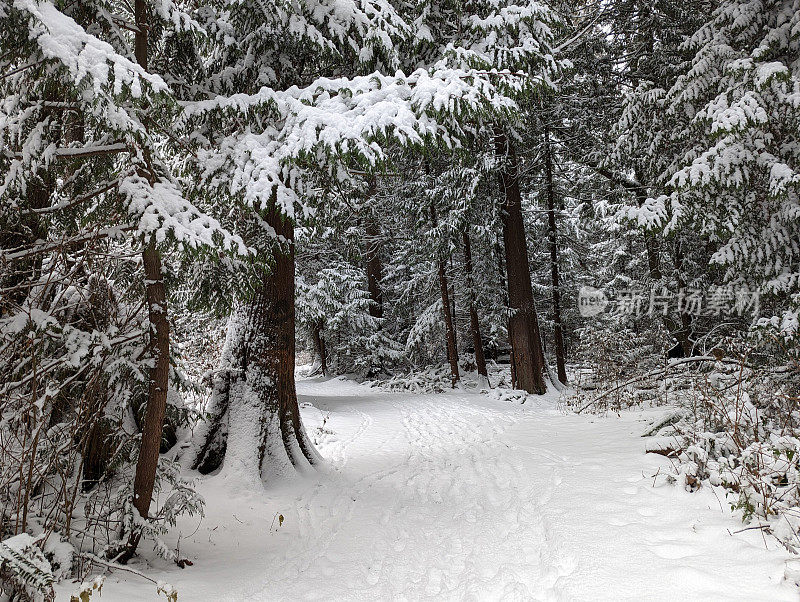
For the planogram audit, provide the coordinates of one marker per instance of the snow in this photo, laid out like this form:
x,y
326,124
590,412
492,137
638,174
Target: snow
x,y
162,209
23,564
340,117
460,496
60,37
61,554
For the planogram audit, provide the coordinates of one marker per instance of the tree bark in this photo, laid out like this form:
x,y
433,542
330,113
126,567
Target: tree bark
x,y
147,463
650,242
474,323
19,276
374,266
22,274
524,324
324,351
450,333
551,219
501,270
452,295
273,321
374,270
319,343
640,192
256,432
684,333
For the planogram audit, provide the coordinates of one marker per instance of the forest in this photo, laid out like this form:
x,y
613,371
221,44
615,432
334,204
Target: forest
x,y
399,299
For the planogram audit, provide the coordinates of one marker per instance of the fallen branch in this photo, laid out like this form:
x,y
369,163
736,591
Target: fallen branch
x,y
668,419
663,372
766,528
110,564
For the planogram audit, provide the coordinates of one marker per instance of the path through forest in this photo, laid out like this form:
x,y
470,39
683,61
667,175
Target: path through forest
x,y
458,496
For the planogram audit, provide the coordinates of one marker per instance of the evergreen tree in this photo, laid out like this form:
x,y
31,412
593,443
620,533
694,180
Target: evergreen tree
x,y
90,200
300,125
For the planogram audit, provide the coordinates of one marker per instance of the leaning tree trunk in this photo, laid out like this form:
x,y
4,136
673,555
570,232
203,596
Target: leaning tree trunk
x,y
255,432
158,385
551,219
526,343
474,323
450,332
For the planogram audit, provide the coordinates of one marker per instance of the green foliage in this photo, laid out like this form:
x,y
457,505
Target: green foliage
x,y
24,568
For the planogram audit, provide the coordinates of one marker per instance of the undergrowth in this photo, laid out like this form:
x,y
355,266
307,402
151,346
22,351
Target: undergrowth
x,y
733,424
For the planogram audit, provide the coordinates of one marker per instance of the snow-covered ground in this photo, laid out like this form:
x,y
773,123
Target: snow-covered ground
x,y
458,496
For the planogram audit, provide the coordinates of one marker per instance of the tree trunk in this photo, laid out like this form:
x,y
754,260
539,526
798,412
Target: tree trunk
x,y
150,448
374,270
452,295
374,276
474,323
158,386
374,266
255,432
650,242
319,344
452,350
640,192
551,218
524,324
501,270
324,351
21,276
684,333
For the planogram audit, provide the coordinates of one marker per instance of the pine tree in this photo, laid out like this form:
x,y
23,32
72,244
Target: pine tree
x,y
736,183
88,184
512,41
299,126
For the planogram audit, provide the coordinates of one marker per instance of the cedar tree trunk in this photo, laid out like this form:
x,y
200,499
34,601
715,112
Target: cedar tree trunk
x,y
255,432
526,343
551,219
474,323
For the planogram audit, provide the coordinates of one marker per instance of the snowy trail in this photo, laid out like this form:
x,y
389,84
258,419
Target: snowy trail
x,y
461,497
